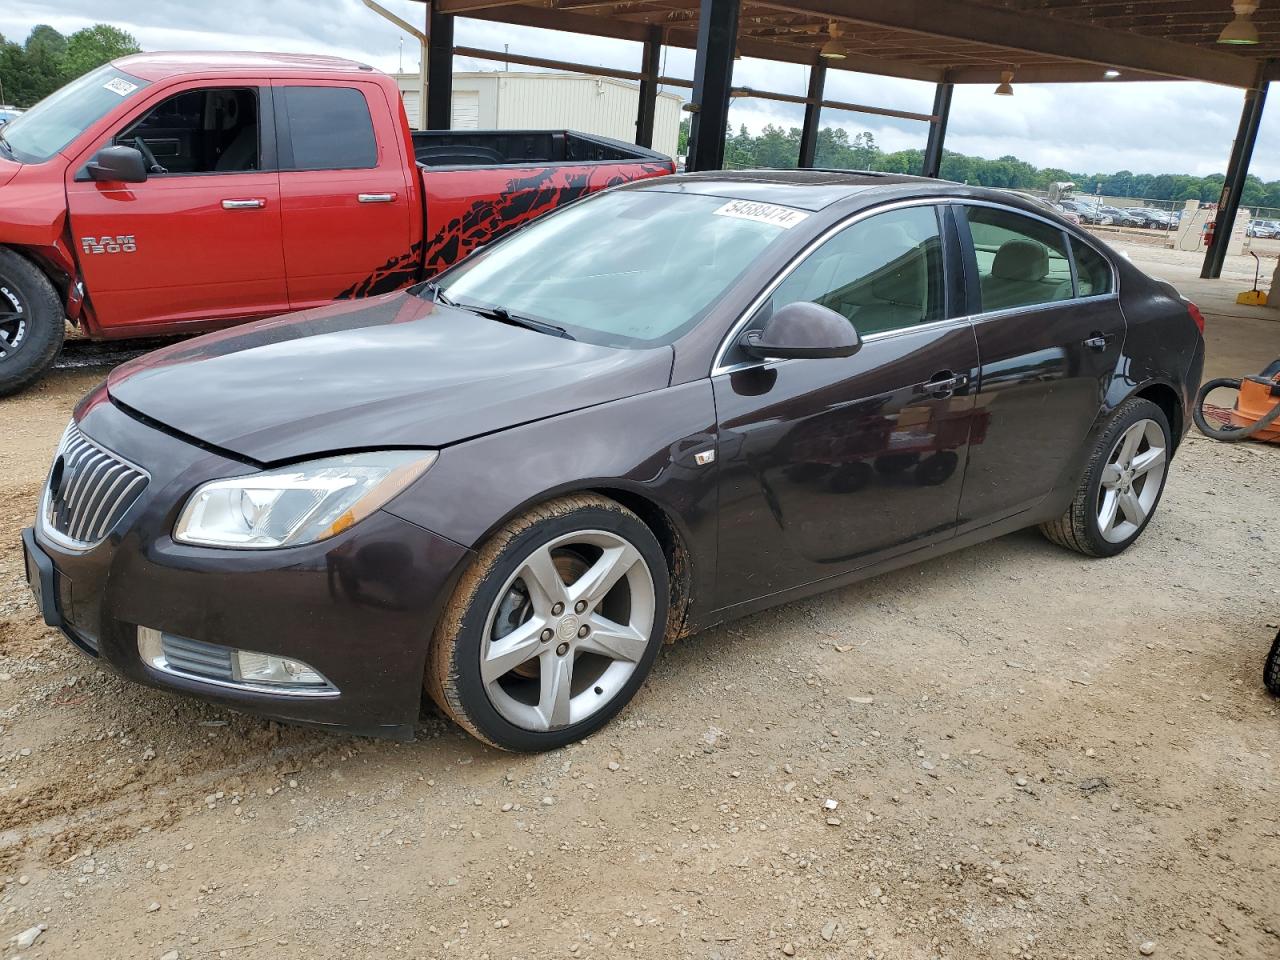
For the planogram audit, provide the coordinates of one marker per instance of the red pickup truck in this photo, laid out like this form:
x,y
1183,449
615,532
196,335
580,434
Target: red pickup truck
x,y
172,193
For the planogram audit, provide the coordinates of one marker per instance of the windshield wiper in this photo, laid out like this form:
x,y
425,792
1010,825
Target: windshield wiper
x,y
503,315
431,290
4,145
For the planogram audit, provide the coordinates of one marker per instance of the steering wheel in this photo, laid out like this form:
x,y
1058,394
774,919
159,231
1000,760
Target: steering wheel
x,y
153,165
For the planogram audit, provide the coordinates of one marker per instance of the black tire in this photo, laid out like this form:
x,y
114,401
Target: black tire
x,y
1078,528
453,677
32,322
937,468
1271,670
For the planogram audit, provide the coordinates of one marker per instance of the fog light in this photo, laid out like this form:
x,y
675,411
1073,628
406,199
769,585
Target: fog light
x,y
265,668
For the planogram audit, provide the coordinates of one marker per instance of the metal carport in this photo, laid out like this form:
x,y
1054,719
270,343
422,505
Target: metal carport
x,y
945,42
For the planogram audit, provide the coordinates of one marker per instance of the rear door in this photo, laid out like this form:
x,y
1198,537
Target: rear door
x,y
199,240
345,200
832,464
1050,334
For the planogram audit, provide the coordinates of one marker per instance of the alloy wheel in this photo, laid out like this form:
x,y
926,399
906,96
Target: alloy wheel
x,y
1131,481
568,630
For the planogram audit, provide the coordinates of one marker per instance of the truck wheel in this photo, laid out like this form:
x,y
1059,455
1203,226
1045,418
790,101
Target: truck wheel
x,y
32,322
554,627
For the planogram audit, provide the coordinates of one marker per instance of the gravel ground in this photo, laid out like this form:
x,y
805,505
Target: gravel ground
x,y
1008,752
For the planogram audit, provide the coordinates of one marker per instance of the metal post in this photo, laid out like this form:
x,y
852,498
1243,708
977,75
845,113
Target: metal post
x,y
1233,188
650,70
937,129
712,83
439,69
812,113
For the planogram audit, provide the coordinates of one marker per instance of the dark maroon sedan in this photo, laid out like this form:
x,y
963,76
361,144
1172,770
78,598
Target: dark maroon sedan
x,y
668,405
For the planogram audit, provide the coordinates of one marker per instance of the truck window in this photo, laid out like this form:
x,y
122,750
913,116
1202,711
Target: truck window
x,y
62,116
329,129
210,130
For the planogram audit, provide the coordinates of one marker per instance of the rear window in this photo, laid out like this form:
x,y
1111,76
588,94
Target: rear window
x,y
329,129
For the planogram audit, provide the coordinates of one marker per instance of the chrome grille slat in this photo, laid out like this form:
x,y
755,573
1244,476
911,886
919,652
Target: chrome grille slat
x,y
95,489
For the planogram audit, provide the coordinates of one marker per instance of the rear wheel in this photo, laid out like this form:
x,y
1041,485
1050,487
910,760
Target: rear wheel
x,y
1121,486
554,628
32,323
1271,670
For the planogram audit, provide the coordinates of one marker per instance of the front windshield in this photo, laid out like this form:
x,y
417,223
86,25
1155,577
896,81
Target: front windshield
x,y
632,268
62,116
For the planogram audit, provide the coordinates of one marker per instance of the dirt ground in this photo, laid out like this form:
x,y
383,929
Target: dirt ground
x,y
1032,755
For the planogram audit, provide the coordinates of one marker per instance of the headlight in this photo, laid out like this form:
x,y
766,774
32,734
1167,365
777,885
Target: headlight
x,y
299,504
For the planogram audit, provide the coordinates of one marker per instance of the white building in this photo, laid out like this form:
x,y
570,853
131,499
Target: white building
x,y
505,100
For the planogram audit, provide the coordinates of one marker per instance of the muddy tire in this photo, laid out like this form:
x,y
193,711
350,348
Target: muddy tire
x,y
554,627
1271,669
1121,486
32,322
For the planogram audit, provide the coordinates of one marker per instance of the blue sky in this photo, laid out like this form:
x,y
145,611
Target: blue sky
x,y
1143,127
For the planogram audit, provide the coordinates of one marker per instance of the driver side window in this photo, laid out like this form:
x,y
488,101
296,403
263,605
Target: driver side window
x,y
211,130
883,273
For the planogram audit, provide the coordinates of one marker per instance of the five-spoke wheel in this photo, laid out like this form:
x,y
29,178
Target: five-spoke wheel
x,y
555,627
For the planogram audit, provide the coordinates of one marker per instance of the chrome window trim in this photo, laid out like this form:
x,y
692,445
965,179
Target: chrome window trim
x,y
719,367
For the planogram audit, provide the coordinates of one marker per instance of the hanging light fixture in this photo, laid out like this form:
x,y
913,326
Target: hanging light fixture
x,y
1006,84
834,48
1241,31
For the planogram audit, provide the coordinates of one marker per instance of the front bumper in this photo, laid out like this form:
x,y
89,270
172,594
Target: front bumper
x,y
359,607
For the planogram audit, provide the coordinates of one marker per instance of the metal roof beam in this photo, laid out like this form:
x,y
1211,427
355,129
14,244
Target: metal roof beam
x,y
1023,32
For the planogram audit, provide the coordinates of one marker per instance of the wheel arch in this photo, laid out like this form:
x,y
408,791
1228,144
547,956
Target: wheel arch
x,y
1169,401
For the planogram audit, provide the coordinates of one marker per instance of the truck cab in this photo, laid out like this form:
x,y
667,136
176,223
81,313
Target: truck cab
x,y
174,193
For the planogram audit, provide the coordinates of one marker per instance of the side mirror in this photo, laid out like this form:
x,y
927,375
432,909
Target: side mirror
x,y
802,330
118,164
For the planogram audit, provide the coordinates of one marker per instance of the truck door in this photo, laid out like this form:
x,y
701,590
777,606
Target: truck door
x,y
199,241
345,199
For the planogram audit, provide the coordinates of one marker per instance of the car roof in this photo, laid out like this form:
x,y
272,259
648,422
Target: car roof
x,y
161,66
806,189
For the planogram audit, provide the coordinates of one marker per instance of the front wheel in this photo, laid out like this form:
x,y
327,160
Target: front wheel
x,y
1121,486
32,324
555,626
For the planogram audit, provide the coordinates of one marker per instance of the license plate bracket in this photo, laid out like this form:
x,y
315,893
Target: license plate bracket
x,y
40,578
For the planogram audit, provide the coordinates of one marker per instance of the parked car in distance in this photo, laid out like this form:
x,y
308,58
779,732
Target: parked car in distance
x,y
672,404
1264,229
178,192
1123,216
1088,213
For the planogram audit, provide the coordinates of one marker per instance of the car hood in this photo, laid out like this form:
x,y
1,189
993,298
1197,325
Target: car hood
x,y
392,371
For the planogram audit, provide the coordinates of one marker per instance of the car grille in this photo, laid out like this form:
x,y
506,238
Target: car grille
x,y
88,492
198,659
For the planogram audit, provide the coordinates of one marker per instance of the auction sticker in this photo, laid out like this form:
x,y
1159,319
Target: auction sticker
x,y
773,213
120,86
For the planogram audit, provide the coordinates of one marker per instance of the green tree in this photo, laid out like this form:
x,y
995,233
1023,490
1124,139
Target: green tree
x,y
94,46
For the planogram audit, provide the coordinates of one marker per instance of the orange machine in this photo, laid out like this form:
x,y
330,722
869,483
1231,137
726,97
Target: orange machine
x,y
1256,411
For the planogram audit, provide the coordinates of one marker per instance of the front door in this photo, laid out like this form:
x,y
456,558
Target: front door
x,y
1050,333
348,224
199,240
829,465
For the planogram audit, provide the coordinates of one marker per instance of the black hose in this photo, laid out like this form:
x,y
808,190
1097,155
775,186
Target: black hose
x,y
1228,434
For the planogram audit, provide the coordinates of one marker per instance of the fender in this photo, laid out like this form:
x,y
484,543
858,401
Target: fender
x,y
458,500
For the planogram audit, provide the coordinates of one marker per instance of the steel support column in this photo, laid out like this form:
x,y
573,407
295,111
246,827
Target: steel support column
x,y
439,69
712,83
1255,99
649,73
812,113
937,129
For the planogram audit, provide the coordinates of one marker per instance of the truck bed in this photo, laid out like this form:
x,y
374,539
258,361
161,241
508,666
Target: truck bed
x,y
480,184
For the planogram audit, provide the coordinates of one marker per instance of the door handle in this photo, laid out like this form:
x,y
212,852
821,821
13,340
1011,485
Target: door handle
x,y
247,203
943,384
1099,341
376,197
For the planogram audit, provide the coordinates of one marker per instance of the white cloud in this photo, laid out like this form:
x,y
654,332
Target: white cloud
x,y
1087,128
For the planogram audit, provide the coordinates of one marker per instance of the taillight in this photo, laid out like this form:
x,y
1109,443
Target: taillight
x,y
1196,315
